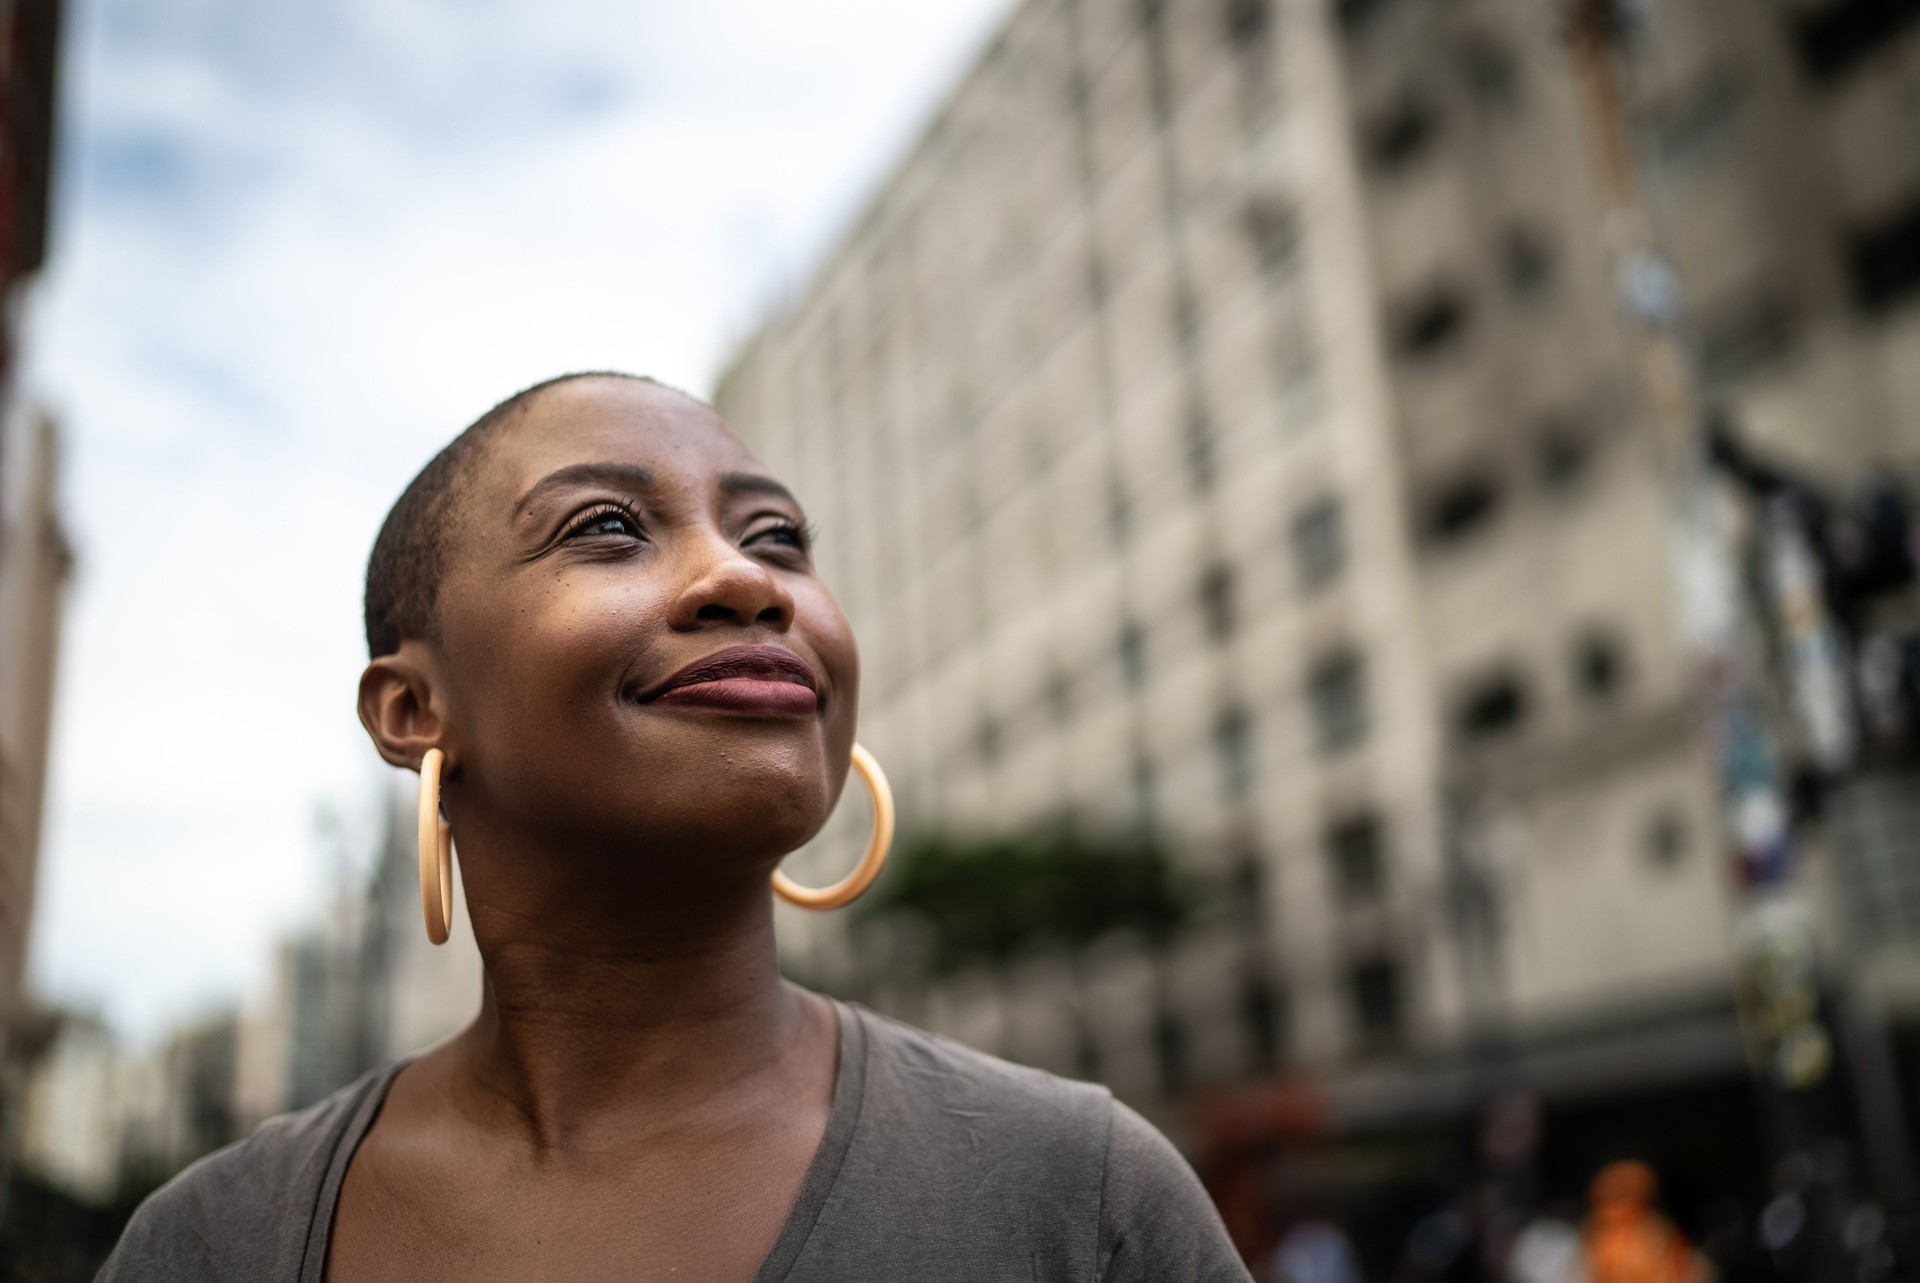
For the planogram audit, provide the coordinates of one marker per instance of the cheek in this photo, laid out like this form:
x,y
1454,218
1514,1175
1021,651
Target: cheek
x,y
544,665
819,618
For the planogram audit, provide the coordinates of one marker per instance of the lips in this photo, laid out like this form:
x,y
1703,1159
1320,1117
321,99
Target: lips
x,y
768,681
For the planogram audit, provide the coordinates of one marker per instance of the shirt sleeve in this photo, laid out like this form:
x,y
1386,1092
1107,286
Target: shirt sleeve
x,y
1157,1224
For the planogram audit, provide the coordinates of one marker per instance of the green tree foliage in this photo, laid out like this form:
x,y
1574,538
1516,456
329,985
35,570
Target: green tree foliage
x,y
991,899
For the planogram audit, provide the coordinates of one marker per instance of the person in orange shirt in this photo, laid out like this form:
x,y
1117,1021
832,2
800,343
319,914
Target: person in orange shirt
x,y
1627,1241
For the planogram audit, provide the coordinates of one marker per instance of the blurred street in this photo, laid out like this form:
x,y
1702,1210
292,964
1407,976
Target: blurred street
x,y
1382,535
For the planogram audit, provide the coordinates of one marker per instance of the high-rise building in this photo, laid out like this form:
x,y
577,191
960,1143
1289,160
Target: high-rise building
x,y
1223,422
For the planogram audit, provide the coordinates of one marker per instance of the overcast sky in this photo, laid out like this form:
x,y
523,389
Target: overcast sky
x,y
297,246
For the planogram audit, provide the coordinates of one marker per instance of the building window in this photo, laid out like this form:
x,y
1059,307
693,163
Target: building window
x,y
1337,697
1217,606
1133,654
1086,1053
1186,317
1757,329
1884,261
1838,36
1375,990
1461,508
1119,509
1356,859
1096,281
986,738
1170,1051
1145,785
1233,744
1273,226
1493,707
1060,695
1400,133
1599,666
1667,840
1249,886
1527,262
1319,541
1246,22
1562,454
1260,1017
1355,16
1491,73
1200,446
1430,324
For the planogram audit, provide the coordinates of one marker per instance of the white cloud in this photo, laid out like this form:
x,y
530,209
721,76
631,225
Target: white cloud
x,y
297,247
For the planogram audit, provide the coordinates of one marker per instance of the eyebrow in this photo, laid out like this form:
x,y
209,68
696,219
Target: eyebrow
x,y
739,483
577,474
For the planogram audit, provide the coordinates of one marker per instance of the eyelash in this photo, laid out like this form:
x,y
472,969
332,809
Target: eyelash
x,y
593,516
800,532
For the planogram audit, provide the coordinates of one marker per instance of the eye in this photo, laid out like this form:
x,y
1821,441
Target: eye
x,y
790,534
608,520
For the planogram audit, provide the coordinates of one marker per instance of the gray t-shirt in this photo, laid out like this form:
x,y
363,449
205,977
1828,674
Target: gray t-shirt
x,y
938,1163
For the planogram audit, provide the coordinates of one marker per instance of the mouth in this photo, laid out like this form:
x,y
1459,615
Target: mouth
x,y
763,681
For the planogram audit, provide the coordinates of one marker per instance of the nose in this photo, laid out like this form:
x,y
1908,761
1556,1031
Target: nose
x,y
724,585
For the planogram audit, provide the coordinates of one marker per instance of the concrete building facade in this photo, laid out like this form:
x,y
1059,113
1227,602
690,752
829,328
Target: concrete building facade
x,y
1223,421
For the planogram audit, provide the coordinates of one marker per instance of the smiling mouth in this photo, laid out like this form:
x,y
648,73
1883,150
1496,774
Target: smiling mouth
x,y
762,681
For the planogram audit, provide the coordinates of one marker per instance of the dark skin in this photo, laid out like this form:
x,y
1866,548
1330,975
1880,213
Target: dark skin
x,y
641,1093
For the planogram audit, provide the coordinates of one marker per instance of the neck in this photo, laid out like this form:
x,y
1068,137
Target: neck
x,y
604,1008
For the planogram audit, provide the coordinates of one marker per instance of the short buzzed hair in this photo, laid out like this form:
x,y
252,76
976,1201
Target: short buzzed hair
x,y
410,555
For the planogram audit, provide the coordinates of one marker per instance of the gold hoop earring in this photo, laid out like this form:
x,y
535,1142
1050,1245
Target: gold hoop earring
x,y
436,852
849,888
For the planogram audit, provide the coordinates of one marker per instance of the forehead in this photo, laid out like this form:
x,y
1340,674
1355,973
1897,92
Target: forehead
x,y
604,420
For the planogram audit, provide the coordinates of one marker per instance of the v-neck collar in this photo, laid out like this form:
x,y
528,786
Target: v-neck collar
x,y
849,1090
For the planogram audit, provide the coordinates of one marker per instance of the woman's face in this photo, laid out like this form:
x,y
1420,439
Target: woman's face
x,y
634,648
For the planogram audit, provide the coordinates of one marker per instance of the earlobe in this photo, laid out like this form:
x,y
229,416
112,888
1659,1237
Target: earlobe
x,y
398,709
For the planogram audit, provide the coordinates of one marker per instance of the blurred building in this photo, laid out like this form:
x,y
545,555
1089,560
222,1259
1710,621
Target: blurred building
x,y
35,565
417,993
35,560
360,986
1222,423
98,1119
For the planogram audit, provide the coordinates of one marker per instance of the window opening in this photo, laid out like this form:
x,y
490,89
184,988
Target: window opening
x,y
1430,324
1133,654
1493,707
1319,541
1338,700
1217,606
1462,508
1355,848
1233,743
1600,667
1376,995
1400,134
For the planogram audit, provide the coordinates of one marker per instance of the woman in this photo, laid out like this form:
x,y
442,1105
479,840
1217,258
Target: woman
x,y
596,629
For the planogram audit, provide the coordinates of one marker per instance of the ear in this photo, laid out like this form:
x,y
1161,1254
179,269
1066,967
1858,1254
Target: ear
x,y
398,707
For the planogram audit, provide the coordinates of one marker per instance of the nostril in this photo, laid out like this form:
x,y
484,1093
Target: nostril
x,y
772,615
714,610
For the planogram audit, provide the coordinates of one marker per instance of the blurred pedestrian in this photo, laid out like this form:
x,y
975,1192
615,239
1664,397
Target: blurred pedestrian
x,y
1548,1249
1627,1241
1315,1251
